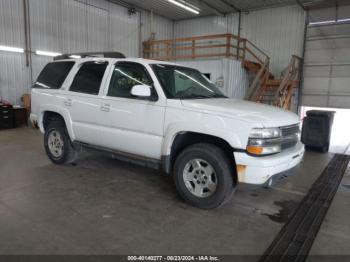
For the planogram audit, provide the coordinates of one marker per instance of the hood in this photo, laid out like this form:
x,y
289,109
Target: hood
x,y
267,116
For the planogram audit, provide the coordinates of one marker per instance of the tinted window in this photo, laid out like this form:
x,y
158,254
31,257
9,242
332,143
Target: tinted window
x,y
89,78
53,75
125,76
207,75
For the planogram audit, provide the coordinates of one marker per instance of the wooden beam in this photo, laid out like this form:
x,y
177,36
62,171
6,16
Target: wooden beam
x,y
182,48
165,58
166,49
254,55
253,86
228,46
203,37
193,49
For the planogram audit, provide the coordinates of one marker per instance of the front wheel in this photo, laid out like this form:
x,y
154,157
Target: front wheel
x,y
57,144
204,176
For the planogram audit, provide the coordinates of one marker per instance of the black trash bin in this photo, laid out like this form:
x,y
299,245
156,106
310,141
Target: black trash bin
x,y
317,128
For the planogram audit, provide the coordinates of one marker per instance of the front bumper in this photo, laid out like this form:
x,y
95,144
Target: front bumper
x,y
257,170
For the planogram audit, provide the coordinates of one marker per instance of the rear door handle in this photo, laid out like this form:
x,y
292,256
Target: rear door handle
x,y
105,108
68,102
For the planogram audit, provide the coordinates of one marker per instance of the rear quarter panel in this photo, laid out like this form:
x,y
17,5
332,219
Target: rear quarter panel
x,y
44,100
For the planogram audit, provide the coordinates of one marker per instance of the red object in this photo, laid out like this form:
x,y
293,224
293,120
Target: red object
x,y
5,102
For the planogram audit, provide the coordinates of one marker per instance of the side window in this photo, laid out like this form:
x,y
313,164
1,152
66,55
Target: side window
x,y
53,75
89,77
125,76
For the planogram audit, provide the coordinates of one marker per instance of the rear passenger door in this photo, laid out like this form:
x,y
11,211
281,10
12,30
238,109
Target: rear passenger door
x,y
83,101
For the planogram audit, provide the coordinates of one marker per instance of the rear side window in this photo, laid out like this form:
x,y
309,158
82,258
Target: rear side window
x,y
53,75
89,77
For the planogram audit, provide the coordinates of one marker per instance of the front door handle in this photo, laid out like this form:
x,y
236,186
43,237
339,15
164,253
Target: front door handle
x,y
105,108
68,102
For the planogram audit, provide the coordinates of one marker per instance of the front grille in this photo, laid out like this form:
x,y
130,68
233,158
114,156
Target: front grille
x,y
287,145
290,130
290,136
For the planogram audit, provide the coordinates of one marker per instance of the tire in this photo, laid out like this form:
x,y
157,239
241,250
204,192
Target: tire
x,y
56,136
188,173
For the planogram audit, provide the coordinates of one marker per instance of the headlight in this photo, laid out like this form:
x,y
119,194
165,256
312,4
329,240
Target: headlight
x,y
265,133
264,141
263,147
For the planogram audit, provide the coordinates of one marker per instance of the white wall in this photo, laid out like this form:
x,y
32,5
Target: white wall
x,y
162,27
227,74
67,26
211,25
277,31
206,26
89,25
14,76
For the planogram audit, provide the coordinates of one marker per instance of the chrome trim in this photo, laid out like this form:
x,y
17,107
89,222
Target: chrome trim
x,y
288,139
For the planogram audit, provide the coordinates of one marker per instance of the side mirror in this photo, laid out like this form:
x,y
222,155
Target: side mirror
x,y
143,91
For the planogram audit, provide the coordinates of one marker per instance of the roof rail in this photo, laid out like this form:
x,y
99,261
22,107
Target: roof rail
x,y
90,54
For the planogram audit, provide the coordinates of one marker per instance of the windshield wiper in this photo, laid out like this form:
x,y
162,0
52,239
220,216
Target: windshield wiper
x,y
219,96
193,96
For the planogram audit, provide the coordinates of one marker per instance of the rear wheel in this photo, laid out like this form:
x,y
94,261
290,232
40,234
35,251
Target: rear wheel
x,y
204,176
57,143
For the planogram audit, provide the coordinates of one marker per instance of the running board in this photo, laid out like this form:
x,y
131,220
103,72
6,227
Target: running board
x,y
122,156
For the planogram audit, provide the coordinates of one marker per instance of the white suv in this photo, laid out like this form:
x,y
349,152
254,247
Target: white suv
x,y
165,115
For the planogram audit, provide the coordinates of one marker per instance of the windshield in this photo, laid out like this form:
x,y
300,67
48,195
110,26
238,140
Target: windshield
x,y
185,83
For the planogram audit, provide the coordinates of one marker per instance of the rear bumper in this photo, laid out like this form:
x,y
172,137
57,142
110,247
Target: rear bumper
x,y
257,170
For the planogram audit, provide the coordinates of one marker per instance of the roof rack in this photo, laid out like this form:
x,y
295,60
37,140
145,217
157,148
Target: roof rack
x,y
90,54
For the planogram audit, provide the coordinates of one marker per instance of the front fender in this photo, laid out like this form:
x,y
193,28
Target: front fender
x,y
234,132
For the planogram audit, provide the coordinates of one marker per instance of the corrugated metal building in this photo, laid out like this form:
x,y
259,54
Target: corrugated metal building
x,y
327,59
89,25
278,31
207,26
65,26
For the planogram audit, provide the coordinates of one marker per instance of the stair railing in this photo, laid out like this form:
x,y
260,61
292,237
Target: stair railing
x,y
252,49
206,46
291,77
254,86
209,46
260,92
254,53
